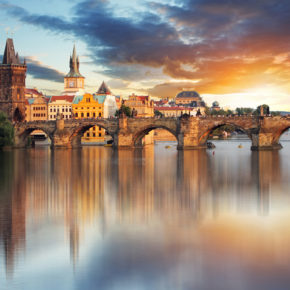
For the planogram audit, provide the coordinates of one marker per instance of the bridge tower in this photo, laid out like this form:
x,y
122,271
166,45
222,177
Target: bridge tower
x,y
12,84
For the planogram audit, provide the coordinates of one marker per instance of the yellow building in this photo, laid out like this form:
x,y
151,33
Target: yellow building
x,y
90,106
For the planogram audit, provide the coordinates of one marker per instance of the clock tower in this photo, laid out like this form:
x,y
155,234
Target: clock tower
x,y
74,82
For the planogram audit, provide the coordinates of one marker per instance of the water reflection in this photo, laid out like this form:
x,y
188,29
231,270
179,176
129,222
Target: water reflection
x,y
119,218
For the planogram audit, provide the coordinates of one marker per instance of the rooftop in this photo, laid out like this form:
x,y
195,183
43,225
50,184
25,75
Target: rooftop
x,y
62,98
9,56
176,108
103,89
74,65
188,94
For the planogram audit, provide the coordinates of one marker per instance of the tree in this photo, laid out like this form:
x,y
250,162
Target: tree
x,y
275,113
158,113
244,111
6,131
266,110
207,110
124,109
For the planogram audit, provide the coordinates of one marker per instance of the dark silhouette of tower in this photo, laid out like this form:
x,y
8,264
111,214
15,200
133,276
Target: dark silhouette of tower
x,y
12,84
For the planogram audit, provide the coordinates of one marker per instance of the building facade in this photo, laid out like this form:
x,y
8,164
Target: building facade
x,y
60,105
110,105
142,104
36,109
175,111
74,82
12,84
90,106
188,98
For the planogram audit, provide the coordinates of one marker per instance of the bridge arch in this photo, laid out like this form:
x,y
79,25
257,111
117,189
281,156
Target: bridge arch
x,y
203,137
140,134
279,133
21,135
78,132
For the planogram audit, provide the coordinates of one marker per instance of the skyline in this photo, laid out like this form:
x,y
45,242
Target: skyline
x,y
235,53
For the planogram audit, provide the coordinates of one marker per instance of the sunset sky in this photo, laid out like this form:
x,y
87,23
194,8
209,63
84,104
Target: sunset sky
x,y
235,52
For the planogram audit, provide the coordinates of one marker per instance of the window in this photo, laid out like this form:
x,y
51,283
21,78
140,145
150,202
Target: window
x,y
94,134
82,114
94,114
88,114
88,134
88,100
100,134
100,114
76,114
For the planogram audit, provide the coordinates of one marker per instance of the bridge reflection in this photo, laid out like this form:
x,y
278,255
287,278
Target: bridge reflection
x,y
104,188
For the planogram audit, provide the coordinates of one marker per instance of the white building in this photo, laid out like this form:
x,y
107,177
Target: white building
x,y
61,105
105,97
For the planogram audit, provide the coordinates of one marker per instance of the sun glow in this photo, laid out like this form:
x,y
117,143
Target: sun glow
x,y
267,91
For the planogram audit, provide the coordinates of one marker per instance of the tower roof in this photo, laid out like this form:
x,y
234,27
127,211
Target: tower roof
x,y
74,65
9,56
104,90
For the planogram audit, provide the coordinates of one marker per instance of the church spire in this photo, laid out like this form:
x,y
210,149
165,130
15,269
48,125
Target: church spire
x,y
74,65
9,56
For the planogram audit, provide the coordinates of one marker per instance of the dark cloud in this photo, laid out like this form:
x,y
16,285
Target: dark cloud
x,y
224,43
39,71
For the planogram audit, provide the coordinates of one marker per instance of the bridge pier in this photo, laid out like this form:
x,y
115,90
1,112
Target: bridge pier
x,y
20,141
61,136
189,142
265,141
124,140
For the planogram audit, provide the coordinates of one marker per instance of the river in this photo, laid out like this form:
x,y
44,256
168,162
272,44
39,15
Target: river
x,y
157,218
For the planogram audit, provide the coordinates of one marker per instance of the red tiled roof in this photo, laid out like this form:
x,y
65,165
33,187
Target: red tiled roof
x,y
172,108
59,98
32,91
143,98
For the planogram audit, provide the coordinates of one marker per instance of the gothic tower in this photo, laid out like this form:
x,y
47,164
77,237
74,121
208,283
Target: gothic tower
x,y
74,82
12,84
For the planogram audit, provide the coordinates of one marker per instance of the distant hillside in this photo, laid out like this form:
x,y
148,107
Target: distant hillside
x,y
283,113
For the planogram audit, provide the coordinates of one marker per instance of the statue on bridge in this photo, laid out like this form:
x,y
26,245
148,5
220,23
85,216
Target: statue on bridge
x,y
134,113
59,116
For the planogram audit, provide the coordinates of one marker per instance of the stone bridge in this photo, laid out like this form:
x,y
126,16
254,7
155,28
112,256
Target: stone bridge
x,y
190,132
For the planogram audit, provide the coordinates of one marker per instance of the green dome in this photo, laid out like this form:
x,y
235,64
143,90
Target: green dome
x,y
188,94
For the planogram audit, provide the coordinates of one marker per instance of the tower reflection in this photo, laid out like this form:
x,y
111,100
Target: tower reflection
x,y
97,189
